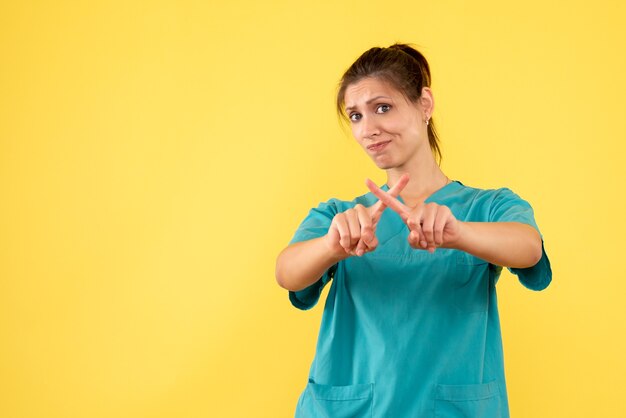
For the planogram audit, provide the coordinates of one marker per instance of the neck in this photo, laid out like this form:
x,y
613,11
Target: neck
x,y
425,177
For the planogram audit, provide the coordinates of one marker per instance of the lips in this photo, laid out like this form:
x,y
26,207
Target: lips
x,y
377,146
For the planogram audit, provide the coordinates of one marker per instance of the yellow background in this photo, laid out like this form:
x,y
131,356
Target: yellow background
x,y
155,157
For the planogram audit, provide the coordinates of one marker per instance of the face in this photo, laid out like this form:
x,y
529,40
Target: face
x,y
390,128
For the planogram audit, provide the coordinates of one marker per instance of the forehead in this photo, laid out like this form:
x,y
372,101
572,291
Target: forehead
x,y
358,93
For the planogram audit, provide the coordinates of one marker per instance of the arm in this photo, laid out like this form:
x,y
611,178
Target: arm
x,y
303,263
351,233
507,244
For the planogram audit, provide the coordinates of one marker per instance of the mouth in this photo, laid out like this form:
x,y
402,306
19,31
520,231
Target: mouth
x,y
378,146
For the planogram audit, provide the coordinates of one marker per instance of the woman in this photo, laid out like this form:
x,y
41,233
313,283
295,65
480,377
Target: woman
x,y
410,327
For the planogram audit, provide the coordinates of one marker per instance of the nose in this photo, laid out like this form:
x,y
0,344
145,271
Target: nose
x,y
369,127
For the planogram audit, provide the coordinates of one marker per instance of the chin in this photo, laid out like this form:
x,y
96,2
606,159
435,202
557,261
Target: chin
x,y
384,164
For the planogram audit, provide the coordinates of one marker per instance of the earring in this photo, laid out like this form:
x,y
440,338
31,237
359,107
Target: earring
x,y
427,121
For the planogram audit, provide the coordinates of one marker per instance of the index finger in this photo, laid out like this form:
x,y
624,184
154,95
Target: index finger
x,y
389,198
379,207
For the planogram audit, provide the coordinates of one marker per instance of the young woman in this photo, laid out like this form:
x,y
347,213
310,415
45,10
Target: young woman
x,y
410,326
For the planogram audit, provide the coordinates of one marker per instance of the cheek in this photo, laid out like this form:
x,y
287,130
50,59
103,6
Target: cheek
x,y
400,121
411,127
355,134
404,127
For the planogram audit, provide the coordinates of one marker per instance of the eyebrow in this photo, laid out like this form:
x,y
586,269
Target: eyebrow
x,y
368,102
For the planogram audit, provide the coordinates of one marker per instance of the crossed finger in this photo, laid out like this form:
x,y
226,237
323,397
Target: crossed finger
x,y
369,217
388,198
417,237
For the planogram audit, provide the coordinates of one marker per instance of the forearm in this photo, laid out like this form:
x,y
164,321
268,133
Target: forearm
x,y
302,264
507,244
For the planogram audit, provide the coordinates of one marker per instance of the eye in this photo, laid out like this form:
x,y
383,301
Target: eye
x,y
354,117
383,108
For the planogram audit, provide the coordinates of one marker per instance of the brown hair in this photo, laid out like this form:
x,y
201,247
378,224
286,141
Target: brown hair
x,y
400,65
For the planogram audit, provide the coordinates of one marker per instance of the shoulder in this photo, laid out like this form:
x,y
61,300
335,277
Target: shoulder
x,y
490,195
481,191
474,204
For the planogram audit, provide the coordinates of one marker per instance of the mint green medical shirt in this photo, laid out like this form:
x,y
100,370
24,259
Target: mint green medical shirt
x,y
407,333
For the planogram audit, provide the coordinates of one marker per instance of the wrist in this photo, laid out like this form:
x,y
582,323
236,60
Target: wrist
x,y
459,242
332,254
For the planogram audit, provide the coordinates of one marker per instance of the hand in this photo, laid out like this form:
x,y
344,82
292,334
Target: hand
x,y
431,225
353,232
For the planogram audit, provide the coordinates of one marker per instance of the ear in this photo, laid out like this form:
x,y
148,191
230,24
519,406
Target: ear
x,y
427,102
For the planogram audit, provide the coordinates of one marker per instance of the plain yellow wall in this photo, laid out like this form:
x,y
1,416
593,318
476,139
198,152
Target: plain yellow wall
x,y
155,157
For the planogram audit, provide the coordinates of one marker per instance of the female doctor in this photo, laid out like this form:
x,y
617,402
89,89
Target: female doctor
x,y
410,326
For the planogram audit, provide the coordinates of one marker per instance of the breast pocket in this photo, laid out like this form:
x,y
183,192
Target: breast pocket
x,y
471,284
326,401
469,401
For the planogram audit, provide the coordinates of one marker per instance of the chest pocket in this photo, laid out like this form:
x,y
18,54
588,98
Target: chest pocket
x,y
471,287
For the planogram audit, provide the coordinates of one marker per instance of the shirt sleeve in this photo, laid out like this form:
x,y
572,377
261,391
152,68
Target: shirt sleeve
x,y
509,207
315,225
